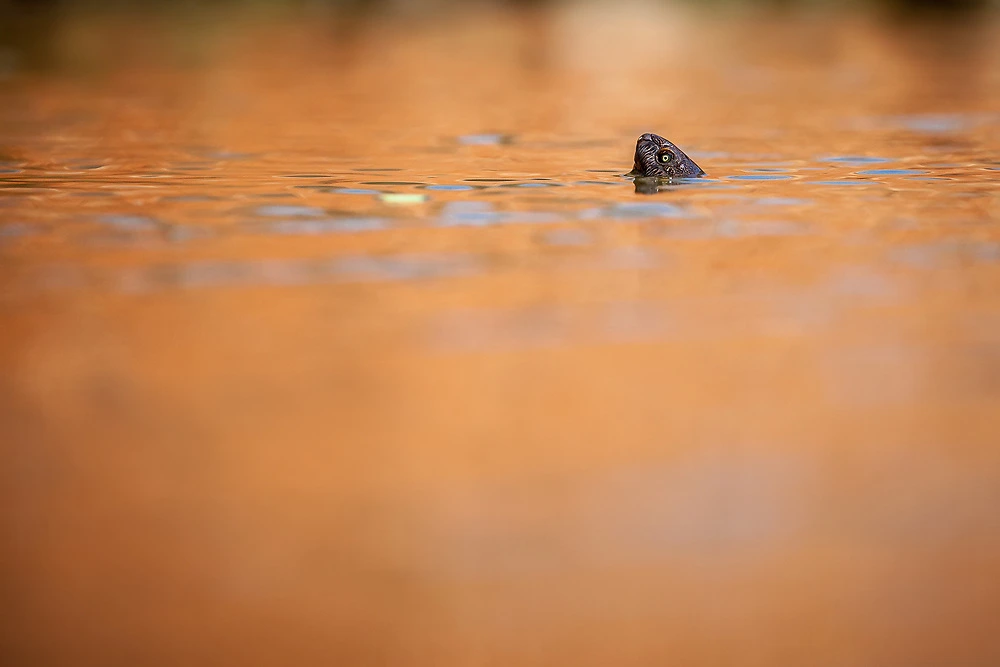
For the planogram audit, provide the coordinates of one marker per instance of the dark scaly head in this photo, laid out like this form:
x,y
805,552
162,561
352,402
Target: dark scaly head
x,y
658,158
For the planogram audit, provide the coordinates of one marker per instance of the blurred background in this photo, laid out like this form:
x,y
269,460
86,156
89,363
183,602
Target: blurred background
x,y
331,332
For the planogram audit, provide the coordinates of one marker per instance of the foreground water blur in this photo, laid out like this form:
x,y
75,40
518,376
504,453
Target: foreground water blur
x,y
347,343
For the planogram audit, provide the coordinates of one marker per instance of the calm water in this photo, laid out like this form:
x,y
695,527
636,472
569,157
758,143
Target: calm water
x,y
330,343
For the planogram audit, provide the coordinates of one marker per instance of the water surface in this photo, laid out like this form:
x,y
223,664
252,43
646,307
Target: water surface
x,y
351,345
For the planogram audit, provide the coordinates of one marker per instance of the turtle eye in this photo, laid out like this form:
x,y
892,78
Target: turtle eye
x,y
664,156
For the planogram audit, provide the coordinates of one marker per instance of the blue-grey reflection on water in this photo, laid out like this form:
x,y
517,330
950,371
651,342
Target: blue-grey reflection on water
x,y
13,230
484,139
327,225
891,172
844,181
481,214
449,188
932,123
759,177
490,180
289,210
761,228
636,210
186,233
855,160
130,223
350,191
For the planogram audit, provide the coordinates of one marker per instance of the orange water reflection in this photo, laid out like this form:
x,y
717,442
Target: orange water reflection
x,y
349,345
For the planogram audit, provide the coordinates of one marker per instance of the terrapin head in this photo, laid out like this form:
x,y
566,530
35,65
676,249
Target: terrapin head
x,y
655,157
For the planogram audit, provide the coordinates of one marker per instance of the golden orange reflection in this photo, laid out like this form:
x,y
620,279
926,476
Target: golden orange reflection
x,y
343,342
